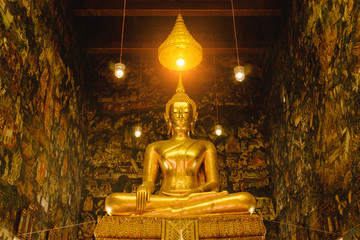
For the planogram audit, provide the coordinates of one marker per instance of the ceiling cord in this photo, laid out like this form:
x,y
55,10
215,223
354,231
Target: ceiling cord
x,y
216,93
122,31
236,42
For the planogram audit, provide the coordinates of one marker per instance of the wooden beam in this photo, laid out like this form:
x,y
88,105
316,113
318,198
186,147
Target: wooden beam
x,y
177,4
188,4
150,50
175,12
172,8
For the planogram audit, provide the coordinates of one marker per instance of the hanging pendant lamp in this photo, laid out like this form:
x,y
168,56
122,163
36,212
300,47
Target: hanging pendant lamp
x,y
120,67
180,51
218,127
239,70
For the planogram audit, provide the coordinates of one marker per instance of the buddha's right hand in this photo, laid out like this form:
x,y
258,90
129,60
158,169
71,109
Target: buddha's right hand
x,y
142,196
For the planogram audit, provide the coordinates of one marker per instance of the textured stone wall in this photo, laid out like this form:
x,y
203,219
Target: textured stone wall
x,y
115,156
41,124
314,120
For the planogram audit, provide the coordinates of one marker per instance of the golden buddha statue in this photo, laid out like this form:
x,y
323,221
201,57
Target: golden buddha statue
x,y
189,169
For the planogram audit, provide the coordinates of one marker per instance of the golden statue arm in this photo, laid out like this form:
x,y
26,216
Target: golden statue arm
x,y
211,170
150,172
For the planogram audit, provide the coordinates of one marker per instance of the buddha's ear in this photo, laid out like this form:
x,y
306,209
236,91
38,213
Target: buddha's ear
x,y
195,117
168,124
193,123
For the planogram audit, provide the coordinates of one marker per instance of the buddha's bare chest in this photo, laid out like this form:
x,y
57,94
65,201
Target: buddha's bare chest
x,y
182,157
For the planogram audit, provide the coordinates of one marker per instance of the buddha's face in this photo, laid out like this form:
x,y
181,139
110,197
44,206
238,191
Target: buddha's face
x,y
181,116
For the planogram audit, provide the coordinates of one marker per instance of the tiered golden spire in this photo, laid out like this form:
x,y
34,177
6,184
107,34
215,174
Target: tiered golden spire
x,y
180,45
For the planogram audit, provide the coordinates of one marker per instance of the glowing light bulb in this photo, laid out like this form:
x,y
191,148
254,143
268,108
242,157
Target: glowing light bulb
x,y
137,134
119,70
218,130
137,131
239,73
251,210
180,62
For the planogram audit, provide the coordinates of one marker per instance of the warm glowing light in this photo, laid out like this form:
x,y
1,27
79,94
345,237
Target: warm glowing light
x,y
180,51
251,210
119,70
218,130
137,134
137,131
239,73
180,62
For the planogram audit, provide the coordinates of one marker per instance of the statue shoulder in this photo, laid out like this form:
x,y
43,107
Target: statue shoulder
x,y
155,145
209,145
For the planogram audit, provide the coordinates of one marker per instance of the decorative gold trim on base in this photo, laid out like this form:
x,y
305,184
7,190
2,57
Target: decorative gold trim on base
x,y
234,227
180,229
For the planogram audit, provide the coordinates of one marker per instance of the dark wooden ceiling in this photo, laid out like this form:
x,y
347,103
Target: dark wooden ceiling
x,y
149,22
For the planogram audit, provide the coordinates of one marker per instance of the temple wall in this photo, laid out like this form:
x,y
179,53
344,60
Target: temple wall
x,y
41,121
314,120
115,156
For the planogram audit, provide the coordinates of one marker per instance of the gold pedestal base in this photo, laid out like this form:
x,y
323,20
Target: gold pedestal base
x,y
242,227
180,229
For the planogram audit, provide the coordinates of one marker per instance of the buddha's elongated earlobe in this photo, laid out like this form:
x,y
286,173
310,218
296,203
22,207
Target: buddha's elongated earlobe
x,y
169,127
192,127
168,124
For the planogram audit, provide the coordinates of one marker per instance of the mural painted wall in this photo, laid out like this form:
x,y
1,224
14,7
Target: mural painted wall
x,y
115,156
41,124
314,120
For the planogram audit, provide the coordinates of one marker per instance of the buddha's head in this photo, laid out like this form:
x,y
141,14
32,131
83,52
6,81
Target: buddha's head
x,y
180,111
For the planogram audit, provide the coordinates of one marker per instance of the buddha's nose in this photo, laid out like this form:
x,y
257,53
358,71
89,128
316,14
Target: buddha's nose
x,y
181,114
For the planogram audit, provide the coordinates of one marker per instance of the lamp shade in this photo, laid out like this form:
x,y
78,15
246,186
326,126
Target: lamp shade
x,y
119,70
137,131
218,130
180,51
239,73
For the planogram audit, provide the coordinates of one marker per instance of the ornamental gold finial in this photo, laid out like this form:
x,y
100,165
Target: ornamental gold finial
x,y
180,51
180,87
